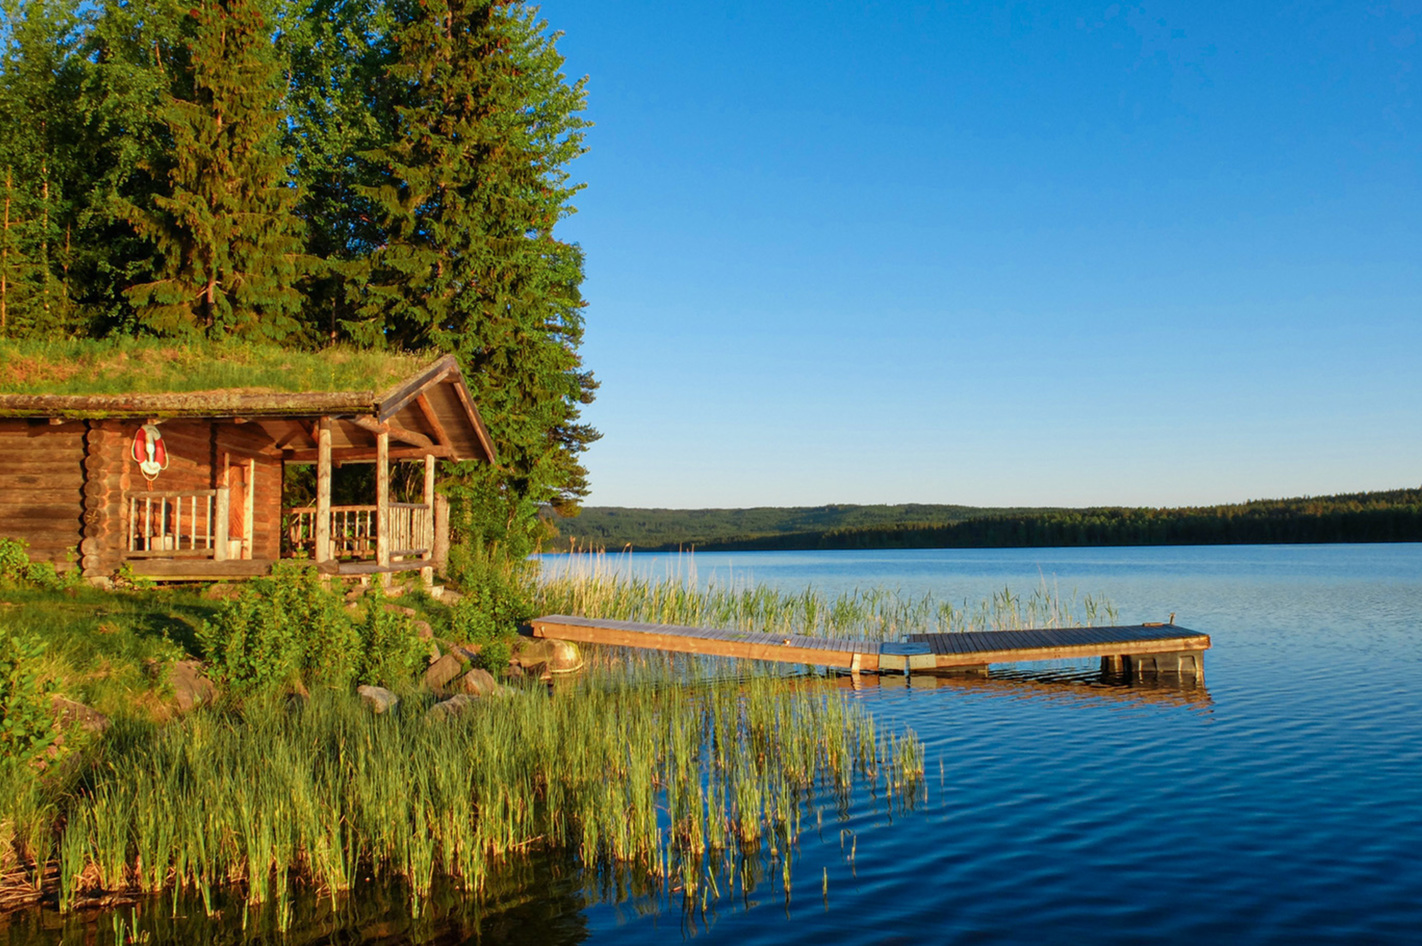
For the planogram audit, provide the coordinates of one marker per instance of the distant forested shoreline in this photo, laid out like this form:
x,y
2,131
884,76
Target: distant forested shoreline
x,y
1388,516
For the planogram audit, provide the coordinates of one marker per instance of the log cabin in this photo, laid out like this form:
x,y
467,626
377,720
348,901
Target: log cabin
x,y
189,486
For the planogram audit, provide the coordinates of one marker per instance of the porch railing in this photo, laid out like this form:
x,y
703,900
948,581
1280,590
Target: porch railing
x,y
178,524
354,530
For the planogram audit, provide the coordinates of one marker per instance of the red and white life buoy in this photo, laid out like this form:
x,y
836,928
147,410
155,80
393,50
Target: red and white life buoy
x,y
149,451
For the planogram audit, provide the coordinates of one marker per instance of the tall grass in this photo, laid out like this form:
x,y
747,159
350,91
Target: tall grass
x,y
600,586
673,783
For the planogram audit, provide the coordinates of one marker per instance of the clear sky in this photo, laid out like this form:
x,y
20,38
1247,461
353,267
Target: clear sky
x,y
1051,253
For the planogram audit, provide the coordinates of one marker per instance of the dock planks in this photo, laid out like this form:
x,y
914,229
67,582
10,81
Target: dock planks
x,y
919,652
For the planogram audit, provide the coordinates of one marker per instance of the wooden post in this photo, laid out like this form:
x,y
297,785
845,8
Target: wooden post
x,y
249,511
427,572
223,511
323,491
382,504
441,532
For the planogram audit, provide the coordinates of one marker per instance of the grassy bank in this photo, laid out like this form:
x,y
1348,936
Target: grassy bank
x,y
680,782
687,781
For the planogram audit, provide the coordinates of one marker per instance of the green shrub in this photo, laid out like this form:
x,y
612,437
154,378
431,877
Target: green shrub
x,y
496,598
26,717
17,571
14,562
391,650
280,629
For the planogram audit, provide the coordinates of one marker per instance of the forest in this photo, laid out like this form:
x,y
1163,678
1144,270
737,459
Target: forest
x,y
1387,516
379,174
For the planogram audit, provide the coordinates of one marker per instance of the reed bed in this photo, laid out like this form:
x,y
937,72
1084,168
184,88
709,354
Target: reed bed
x,y
603,586
676,783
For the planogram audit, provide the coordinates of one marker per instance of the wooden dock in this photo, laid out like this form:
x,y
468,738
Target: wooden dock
x,y
1138,648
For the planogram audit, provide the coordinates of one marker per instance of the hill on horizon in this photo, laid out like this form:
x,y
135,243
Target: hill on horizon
x,y
1384,516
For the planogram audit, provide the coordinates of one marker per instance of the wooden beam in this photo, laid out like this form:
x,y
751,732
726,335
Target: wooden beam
x,y
475,419
394,430
422,401
397,397
368,454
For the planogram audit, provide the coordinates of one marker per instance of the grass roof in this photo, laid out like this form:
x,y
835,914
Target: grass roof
x,y
154,366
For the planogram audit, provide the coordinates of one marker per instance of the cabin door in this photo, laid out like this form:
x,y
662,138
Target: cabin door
x,y
240,476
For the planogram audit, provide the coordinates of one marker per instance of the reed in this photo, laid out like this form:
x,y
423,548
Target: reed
x,y
599,585
674,783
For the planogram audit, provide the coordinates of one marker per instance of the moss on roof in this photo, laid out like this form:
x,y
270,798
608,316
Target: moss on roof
x,y
142,366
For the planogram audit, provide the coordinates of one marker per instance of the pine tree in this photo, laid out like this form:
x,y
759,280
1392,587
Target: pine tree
x,y
227,239
338,51
472,184
38,79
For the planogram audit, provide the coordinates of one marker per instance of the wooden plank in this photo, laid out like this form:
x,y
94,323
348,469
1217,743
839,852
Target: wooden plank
x,y
199,569
400,395
682,643
1070,651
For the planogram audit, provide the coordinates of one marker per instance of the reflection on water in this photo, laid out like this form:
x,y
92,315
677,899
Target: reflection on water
x,y
1079,683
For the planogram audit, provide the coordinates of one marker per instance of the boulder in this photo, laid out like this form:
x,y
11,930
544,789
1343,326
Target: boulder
x,y
69,714
466,652
450,708
545,655
401,609
478,682
378,698
423,629
442,671
190,687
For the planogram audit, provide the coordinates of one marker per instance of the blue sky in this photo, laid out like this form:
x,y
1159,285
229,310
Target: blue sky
x,y
999,253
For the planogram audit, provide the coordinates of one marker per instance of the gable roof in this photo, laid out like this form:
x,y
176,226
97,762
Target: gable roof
x,y
430,411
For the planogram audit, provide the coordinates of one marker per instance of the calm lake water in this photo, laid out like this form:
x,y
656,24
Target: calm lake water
x,y
1280,802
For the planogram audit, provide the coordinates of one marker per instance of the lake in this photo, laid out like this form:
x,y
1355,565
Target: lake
x,y
1281,801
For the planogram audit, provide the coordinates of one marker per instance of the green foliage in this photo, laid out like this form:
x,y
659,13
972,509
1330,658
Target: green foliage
x,y
391,650
496,598
469,185
291,627
17,571
227,240
26,718
151,366
384,172
282,629
14,563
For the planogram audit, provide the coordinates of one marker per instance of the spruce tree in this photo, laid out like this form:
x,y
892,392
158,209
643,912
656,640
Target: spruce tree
x,y
227,239
338,51
471,186
38,82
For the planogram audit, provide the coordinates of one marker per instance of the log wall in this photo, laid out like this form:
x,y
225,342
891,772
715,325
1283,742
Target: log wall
x,y
63,488
42,487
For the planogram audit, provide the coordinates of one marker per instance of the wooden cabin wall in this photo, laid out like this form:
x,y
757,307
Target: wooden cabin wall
x,y
42,487
106,479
